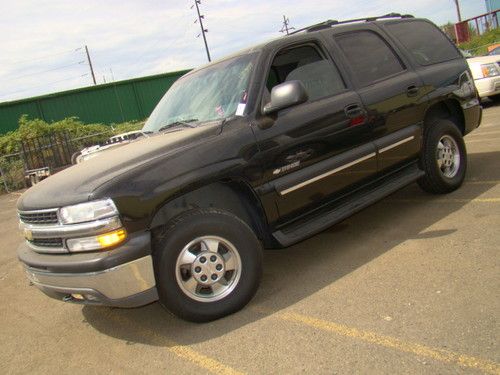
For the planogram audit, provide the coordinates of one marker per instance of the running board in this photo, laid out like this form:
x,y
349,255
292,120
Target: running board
x,y
343,208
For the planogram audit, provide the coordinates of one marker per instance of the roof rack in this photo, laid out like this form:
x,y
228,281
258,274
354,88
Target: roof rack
x,y
329,23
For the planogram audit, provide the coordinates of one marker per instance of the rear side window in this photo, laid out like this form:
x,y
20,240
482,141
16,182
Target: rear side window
x,y
369,56
426,42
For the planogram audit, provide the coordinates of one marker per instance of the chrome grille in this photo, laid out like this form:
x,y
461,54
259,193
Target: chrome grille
x,y
47,242
39,217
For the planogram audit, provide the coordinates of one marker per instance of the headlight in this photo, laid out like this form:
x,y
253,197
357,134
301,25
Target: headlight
x,y
88,211
489,70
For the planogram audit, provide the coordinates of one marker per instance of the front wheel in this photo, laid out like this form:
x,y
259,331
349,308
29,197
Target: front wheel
x,y
208,264
443,158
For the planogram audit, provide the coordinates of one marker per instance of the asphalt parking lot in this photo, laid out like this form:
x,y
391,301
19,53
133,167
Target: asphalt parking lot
x,y
409,285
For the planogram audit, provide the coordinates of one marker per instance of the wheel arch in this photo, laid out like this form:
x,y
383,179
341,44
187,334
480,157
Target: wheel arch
x,y
447,109
235,197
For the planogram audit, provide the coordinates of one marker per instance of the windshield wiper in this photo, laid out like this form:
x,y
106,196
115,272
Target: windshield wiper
x,y
184,123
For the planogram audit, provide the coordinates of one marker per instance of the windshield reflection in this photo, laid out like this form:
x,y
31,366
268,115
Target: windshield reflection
x,y
212,93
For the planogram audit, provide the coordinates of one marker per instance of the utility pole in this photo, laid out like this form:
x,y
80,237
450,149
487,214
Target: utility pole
x,y
203,30
458,11
90,64
286,26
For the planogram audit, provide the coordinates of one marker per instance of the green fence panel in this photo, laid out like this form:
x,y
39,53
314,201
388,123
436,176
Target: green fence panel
x,y
109,103
150,91
9,115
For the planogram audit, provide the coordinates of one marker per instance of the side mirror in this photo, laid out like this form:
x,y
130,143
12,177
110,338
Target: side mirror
x,y
285,95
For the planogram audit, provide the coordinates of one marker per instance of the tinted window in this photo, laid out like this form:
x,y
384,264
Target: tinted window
x,y
306,64
426,42
369,56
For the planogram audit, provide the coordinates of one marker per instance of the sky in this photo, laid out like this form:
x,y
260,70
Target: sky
x,y
42,42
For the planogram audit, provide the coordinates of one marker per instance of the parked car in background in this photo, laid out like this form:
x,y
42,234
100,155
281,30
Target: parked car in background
x,y
495,51
486,73
116,140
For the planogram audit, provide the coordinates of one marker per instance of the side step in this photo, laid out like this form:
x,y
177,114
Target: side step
x,y
341,209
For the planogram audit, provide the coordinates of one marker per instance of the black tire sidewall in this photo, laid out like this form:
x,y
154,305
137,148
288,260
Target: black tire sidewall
x,y
197,224
434,175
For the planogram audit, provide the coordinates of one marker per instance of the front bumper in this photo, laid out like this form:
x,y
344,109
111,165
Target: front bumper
x,y
122,277
488,86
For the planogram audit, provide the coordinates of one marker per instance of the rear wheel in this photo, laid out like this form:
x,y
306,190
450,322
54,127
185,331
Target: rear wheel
x,y
208,264
443,158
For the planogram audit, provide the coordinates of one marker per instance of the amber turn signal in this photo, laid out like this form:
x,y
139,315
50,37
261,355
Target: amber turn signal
x,y
112,238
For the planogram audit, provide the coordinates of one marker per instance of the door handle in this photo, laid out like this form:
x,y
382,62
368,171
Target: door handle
x,y
353,111
356,114
412,90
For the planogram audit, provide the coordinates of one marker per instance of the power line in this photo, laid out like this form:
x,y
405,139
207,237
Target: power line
x,y
44,85
44,57
203,30
44,71
142,56
286,26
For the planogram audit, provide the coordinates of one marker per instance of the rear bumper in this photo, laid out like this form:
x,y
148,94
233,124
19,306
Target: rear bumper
x,y
122,277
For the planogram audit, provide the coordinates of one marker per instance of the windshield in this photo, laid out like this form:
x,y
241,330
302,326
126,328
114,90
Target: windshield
x,y
211,93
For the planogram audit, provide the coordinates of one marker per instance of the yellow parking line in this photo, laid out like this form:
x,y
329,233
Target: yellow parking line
x,y
446,200
467,141
483,133
182,351
393,343
202,361
482,182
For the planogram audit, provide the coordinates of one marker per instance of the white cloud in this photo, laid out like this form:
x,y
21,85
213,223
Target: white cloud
x,y
136,38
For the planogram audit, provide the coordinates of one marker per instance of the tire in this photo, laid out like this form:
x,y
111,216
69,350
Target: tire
x,y
443,158
231,252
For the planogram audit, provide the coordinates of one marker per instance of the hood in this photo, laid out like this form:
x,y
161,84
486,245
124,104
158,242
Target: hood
x,y
76,183
484,59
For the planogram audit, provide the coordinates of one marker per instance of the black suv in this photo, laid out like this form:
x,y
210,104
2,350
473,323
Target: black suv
x,y
261,149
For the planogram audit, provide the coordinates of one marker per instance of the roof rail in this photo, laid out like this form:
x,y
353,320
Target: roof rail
x,y
329,23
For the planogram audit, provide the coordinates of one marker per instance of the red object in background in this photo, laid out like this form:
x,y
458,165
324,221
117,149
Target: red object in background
x,y
480,24
462,32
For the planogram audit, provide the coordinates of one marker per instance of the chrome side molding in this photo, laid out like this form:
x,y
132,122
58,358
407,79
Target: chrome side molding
x,y
326,174
390,147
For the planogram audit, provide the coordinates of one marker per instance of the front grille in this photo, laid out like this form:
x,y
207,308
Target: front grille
x,y
47,242
39,217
